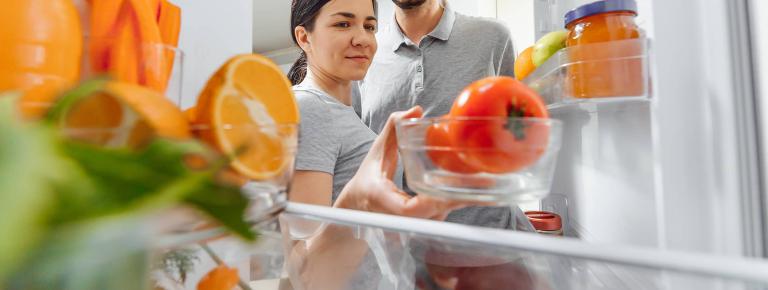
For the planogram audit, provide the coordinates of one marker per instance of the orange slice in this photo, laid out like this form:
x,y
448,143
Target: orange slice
x,y
124,114
241,111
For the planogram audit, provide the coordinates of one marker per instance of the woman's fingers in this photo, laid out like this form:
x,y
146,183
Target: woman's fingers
x,y
383,152
425,206
387,198
414,112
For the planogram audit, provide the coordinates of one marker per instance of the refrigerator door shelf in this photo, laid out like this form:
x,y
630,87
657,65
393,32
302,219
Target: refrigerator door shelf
x,y
609,72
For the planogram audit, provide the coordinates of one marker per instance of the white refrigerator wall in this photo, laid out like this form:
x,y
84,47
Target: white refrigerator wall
x,y
211,32
759,17
704,127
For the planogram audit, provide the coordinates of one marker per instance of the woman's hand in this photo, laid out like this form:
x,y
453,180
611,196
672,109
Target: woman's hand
x,y
372,188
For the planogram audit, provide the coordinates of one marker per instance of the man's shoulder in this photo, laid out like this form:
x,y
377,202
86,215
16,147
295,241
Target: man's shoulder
x,y
472,25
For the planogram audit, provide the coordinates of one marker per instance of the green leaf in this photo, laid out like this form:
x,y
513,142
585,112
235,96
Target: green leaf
x,y
73,96
30,166
108,253
156,174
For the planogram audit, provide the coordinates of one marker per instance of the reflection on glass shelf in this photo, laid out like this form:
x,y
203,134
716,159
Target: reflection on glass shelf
x,y
219,260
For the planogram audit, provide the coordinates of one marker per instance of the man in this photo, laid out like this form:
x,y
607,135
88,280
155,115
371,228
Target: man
x,y
426,56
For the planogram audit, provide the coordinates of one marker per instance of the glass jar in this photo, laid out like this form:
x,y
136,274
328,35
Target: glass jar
x,y
603,62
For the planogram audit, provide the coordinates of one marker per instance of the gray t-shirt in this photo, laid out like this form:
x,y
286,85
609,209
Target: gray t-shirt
x,y
332,138
461,50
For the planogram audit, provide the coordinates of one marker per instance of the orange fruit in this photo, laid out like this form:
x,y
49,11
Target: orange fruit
x,y
242,112
524,64
124,114
220,278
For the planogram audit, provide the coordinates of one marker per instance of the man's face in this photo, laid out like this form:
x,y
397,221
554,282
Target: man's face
x,y
408,4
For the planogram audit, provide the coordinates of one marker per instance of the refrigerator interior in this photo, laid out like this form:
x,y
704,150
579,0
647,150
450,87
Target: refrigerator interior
x,y
676,167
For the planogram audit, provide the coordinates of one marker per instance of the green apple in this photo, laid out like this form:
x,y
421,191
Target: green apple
x,y
548,45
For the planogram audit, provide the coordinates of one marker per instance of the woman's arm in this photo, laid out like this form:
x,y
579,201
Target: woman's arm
x,y
312,187
330,256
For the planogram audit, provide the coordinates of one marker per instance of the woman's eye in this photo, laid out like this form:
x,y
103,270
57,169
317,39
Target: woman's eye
x,y
342,24
371,28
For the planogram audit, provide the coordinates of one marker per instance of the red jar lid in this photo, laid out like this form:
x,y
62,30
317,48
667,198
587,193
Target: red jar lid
x,y
544,220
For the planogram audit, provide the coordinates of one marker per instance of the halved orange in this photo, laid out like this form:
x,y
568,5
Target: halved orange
x,y
246,110
123,114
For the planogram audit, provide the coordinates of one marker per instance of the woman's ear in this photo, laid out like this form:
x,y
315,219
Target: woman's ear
x,y
302,37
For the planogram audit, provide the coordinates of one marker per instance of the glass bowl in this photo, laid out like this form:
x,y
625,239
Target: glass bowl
x,y
154,65
499,160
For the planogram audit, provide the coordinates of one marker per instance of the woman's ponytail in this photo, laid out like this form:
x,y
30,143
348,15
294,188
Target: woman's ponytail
x,y
299,70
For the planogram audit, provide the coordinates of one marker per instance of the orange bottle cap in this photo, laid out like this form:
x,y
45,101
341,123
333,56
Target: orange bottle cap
x,y
544,220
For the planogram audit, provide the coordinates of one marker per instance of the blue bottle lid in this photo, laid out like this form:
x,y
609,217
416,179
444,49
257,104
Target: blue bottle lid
x,y
600,7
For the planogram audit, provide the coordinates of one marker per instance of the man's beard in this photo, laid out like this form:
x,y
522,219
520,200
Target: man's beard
x,y
408,4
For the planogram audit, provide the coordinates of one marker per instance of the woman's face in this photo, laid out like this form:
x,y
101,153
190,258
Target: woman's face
x,y
343,42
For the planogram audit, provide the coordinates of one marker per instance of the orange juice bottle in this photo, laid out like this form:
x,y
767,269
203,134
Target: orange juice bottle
x,y
604,51
40,50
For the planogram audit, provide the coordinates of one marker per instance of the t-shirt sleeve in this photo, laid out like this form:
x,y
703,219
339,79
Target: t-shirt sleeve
x,y
318,146
506,61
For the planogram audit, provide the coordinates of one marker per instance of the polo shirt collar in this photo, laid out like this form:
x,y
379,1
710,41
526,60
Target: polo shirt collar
x,y
442,31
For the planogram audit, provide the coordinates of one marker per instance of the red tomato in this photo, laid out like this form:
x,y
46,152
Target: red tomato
x,y
499,145
442,151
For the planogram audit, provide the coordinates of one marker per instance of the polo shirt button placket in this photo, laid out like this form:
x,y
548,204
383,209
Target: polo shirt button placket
x,y
419,78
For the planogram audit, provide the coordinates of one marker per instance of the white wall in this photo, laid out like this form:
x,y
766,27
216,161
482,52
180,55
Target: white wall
x,y
518,15
211,32
271,25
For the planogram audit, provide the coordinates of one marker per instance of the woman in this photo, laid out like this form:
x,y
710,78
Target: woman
x,y
340,161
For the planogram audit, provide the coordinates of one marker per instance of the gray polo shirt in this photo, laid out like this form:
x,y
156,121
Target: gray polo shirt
x,y
431,74
460,50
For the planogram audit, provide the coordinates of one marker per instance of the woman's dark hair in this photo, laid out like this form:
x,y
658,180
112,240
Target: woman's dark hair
x,y
304,13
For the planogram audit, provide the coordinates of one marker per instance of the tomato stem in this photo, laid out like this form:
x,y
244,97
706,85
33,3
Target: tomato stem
x,y
515,124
